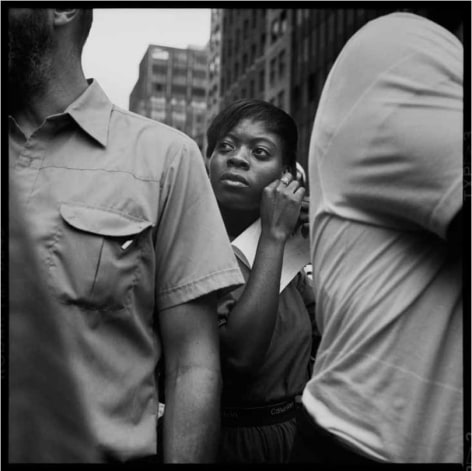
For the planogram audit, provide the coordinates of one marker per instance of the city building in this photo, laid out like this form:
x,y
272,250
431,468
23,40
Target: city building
x,y
282,56
214,62
172,87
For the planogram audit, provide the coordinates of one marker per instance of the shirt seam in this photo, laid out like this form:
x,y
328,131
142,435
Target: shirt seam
x,y
198,280
149,120
104,208
84,169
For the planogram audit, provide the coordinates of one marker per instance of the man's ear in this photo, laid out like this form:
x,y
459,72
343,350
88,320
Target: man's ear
x,y
63,16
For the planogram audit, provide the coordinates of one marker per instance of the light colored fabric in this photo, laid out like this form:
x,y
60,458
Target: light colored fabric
x,y
385,173
126,224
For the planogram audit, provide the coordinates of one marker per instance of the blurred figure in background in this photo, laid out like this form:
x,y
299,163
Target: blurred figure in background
x,y
126,227
385,171
265,337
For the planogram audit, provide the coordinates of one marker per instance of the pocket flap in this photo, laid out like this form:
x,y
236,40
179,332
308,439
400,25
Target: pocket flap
x,y
102,221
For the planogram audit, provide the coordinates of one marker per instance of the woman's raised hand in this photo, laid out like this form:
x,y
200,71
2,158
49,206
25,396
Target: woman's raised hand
x,y
280,207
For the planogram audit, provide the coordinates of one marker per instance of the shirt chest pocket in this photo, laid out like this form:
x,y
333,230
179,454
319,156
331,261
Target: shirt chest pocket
x,y
96,256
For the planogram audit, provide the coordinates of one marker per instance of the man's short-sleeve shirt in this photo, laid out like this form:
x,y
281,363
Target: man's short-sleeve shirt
x,y
385,171
126,225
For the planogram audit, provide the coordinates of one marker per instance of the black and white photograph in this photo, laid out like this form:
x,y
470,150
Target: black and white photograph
x,y
236,235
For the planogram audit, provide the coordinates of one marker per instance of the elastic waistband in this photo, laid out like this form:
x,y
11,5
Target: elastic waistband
x,y
261,415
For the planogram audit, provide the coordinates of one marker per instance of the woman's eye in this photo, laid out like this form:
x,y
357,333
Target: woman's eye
x,y
260,152
225,146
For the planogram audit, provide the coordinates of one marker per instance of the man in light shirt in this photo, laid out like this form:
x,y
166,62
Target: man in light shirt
x,y
385,170
126,228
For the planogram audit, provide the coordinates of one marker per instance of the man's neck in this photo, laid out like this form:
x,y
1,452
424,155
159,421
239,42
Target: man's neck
x,y
60,91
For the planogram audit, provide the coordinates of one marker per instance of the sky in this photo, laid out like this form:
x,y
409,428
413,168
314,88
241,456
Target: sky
x,y
120,36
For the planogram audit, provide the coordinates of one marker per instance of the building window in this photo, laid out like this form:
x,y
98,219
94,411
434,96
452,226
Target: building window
x,y
159,69
201,59
274,30
281,99
340,29
331,28
160,54
262,43
158,87
179,72
273,65
180,58
252,90
311,87
296,98
305,48
281,64
179,90
254,17
245,28
244,63
236,71
253,53
198,92
199,73
350,19
283,21
261,80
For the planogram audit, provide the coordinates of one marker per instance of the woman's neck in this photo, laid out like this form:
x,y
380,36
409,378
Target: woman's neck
x,y
237,221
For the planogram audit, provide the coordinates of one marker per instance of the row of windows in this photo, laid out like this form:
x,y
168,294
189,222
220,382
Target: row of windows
x,y
232,47
178,90
160,70
225,84
231,15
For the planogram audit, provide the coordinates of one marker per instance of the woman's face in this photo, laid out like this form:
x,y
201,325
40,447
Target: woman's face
x,y
243,163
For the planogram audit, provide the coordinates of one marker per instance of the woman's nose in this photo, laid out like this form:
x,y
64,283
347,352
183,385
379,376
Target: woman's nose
x,y
239,159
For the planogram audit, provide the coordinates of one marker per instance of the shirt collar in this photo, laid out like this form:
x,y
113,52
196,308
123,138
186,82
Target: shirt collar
x,y
91,111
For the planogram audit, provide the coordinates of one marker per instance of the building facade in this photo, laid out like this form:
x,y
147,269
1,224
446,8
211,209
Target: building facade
x,y
172,88
283,56
214,65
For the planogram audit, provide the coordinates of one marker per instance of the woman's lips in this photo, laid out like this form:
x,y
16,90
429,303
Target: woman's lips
x,y
233,179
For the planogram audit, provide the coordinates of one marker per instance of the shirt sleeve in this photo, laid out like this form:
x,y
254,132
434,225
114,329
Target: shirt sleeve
x,y
388,141
227,298
193,252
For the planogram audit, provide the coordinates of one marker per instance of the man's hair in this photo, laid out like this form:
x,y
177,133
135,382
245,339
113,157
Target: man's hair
x,y
275,120
83,30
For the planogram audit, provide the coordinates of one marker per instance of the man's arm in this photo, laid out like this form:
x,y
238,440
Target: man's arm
x,y
189,335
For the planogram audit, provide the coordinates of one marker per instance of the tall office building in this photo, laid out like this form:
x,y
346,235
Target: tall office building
x,y
171,88
214,65
283,56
